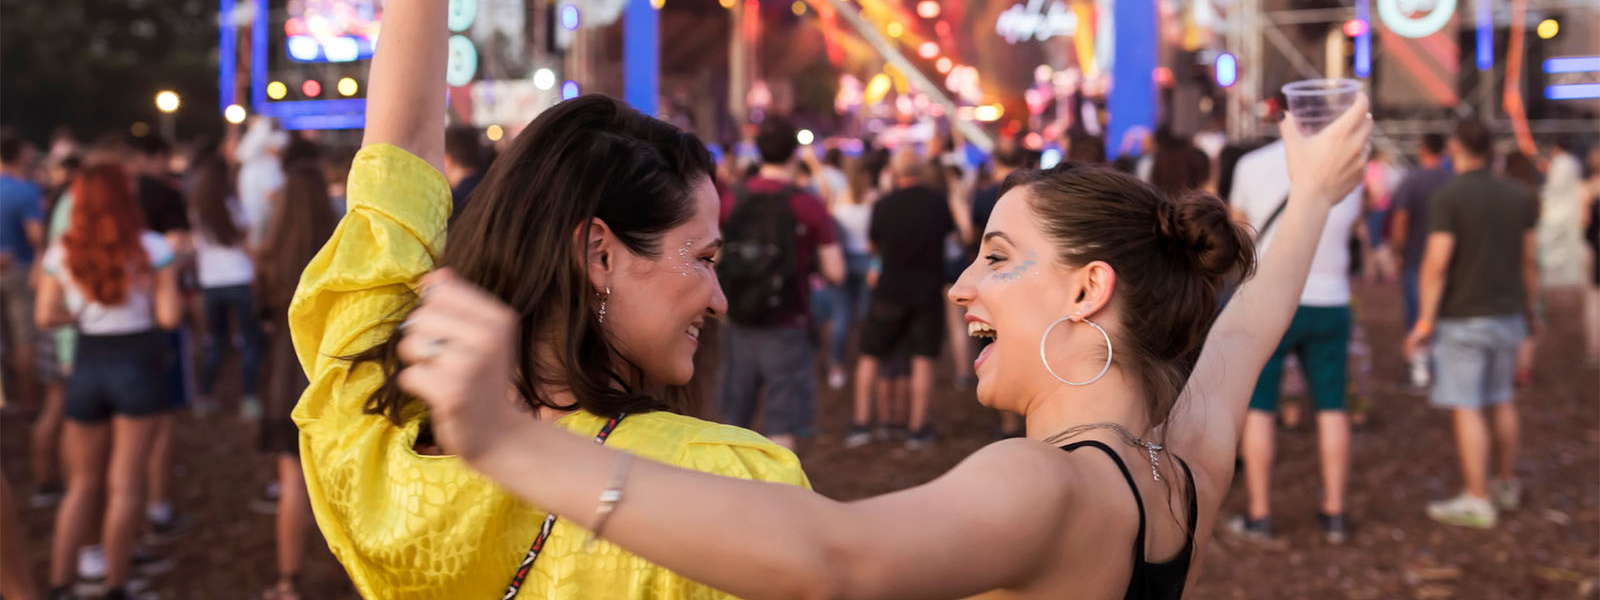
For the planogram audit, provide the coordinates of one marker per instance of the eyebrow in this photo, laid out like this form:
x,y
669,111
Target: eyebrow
x,y
998,234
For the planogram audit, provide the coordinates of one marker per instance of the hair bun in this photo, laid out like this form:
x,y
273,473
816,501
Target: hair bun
x,y
1199,226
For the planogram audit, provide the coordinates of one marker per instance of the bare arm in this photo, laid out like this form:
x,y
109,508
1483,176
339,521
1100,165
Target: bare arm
x,y
1399,220
49,307
169,303
1430,287
830,263
1209,415
406,89
34,231
751,539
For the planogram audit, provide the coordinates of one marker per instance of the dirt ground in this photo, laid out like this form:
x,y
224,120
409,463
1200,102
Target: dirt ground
x,y
1550,549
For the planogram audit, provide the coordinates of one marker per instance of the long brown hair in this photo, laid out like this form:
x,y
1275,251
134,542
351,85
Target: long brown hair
x,y
299,227
208,200
1171,256
587,158
103,251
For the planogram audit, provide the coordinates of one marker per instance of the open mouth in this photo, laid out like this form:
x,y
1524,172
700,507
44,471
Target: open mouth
x,y
980,329
693,331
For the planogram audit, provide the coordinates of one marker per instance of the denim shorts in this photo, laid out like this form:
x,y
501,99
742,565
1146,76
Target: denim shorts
x,y
1475,360
119,375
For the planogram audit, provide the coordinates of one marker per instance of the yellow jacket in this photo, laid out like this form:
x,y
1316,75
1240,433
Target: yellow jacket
x,y
407,526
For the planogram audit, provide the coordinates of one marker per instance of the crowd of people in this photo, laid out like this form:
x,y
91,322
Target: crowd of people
x,y
128,263
602,255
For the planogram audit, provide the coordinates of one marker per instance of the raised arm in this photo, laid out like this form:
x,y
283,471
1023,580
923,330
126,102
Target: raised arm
x,y
750,539
1210,412
406,87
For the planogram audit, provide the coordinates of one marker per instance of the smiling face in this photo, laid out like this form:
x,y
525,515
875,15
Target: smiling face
x,y
658,305
1012,293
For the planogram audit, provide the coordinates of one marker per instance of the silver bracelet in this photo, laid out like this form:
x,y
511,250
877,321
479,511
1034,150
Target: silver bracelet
x,y
609,498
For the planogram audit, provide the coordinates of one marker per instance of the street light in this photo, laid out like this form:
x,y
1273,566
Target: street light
x,y
234,114
167,102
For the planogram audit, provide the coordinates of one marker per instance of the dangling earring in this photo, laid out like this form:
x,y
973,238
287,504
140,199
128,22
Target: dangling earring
x,y
602,315
1046,360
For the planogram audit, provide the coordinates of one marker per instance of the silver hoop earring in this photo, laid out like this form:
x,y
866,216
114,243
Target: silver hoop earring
x,y
1046,360
602,315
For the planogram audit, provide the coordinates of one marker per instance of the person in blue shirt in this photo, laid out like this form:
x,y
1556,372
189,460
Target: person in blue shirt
x,y
21,232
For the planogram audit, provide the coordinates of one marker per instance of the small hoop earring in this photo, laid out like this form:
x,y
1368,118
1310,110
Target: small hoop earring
x,y
602,315
1046,360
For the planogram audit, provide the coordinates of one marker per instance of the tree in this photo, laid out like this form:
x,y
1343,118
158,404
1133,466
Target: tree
x,y
96,65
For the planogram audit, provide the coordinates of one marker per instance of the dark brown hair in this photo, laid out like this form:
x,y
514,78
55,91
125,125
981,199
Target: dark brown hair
x,y
208,199
1474,137
586,158
300,225
1171,256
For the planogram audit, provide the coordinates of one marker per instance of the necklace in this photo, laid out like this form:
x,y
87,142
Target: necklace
x,y
1128,436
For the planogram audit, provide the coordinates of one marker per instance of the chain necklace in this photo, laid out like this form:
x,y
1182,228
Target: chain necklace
x,y
1128,436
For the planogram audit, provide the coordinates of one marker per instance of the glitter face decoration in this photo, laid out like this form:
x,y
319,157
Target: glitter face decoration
x,y
1028,263
687,263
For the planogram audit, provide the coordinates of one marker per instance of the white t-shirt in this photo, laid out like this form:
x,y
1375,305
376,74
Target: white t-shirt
x,y
135,314
853,222
1261,183
223,266
260,174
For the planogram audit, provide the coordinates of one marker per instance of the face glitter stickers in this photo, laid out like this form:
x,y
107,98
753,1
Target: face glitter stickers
x,y
687,263
1028,263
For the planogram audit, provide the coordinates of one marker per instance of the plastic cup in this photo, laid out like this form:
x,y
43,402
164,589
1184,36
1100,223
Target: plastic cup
x,y
1317,102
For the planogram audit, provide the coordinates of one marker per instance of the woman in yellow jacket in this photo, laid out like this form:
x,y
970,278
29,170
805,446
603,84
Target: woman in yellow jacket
x,y
599,225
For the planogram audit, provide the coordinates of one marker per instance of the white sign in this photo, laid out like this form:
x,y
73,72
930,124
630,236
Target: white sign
x,y
1036,21
1416,18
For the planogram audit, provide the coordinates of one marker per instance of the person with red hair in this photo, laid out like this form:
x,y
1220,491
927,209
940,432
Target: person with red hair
x,y
112,279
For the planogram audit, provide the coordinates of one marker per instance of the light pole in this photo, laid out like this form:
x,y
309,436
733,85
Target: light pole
x,y
167,102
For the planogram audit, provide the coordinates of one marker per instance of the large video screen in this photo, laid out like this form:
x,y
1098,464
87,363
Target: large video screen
x,y
331,30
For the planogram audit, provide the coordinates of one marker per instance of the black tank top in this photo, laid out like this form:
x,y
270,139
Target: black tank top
x,y
1153,581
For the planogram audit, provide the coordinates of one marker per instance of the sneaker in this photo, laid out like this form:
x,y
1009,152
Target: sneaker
x,y
47,495
1464,510
266,503
1335,528
1506,493
920,439
1259,530
836,379
1420,378
860,435
250,408
166,530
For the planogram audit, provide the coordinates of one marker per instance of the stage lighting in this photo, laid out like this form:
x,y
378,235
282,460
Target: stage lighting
x,y
1548,28
348,86
1227,70
234,114
928,9
311,88
277,90
928,50
1355,27
895,29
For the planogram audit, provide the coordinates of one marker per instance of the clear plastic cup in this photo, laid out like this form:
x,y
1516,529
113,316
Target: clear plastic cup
x,y
1317,102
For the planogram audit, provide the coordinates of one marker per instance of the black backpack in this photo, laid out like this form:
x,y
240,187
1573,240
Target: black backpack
x,y
759,271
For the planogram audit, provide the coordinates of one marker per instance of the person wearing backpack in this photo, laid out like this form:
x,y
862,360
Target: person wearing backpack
x,y
774,239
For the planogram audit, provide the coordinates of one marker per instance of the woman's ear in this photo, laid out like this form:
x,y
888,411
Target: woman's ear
x,y
1095,283
597,247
